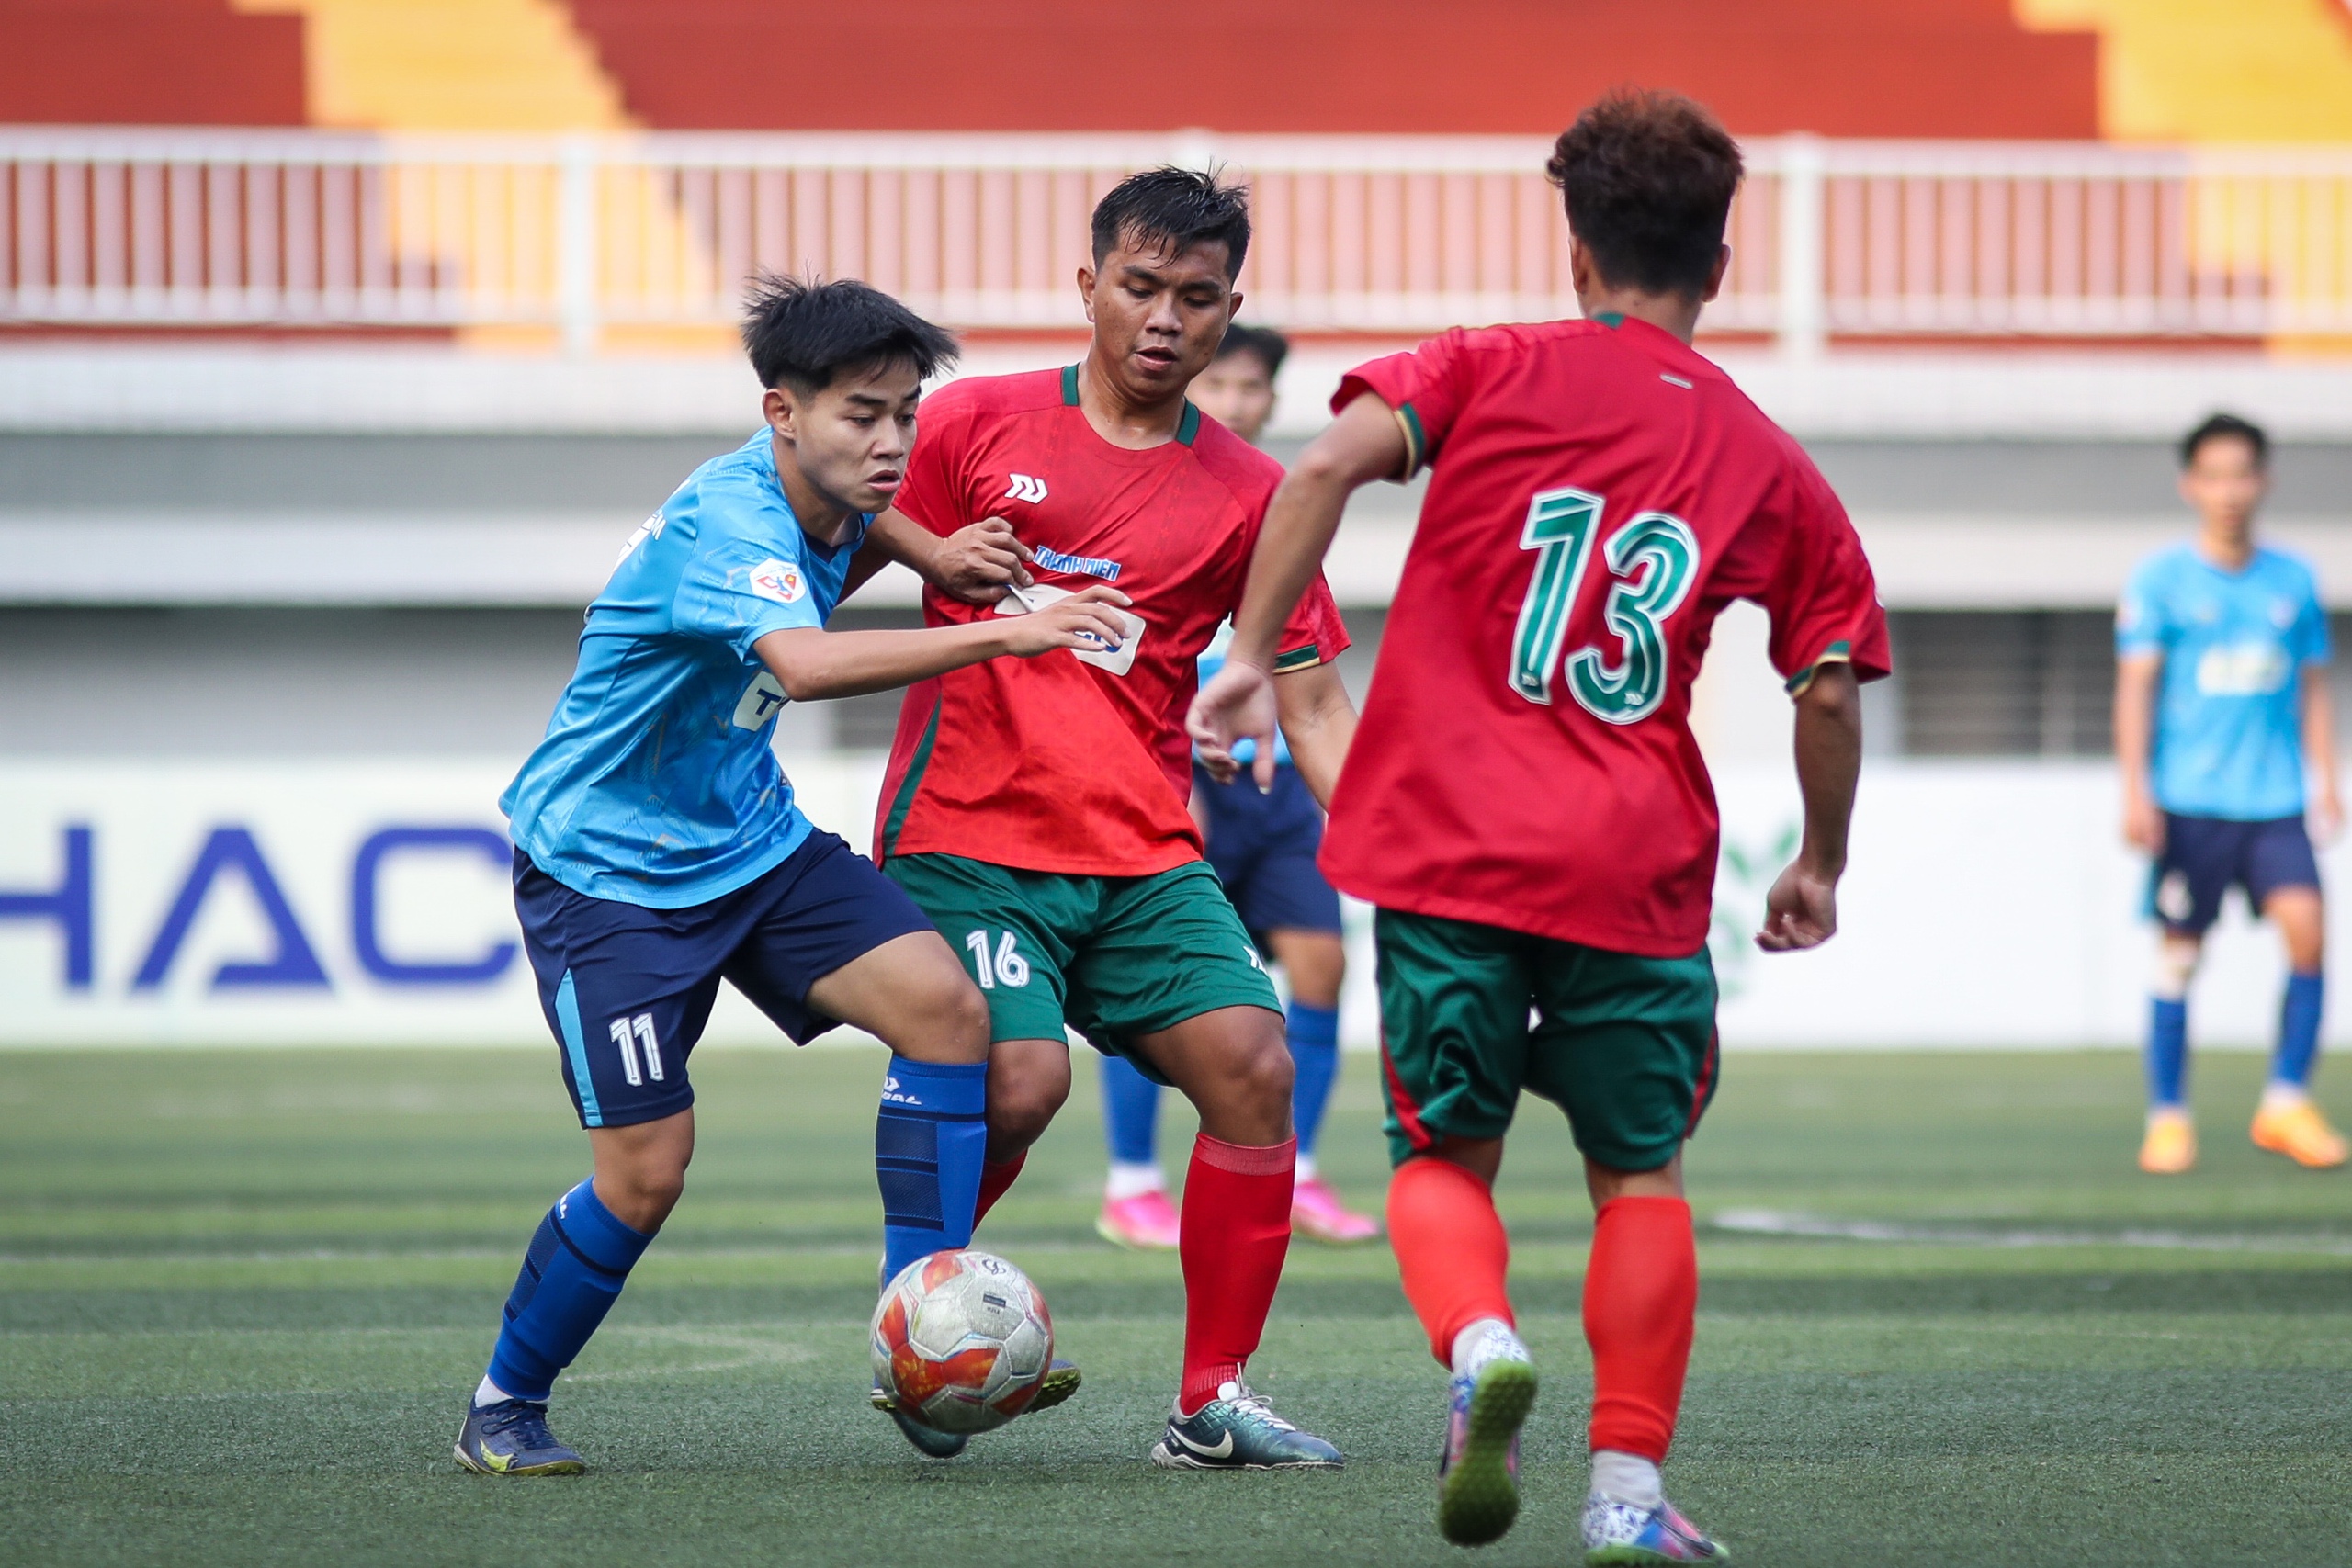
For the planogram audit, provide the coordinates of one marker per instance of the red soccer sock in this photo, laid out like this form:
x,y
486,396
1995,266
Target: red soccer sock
x,y
1234,1236
1641,1293
994,1179
1450,1248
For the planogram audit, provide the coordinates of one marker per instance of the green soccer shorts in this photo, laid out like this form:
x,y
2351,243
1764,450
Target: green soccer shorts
x,y
1625,1045
1114,957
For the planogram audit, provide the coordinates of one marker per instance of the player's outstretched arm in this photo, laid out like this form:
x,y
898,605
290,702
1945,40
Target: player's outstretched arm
x,y
812,664
1802,909
1363,444
973,564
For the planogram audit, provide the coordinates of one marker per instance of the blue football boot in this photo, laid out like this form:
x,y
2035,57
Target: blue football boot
x,y
929,1441
1619,1535
1060,1381
1238,1430
1477,1487
511,1438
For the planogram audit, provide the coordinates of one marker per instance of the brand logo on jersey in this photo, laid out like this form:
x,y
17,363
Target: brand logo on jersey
x,y
759,703
780,580
651,528
1025,487
1077,566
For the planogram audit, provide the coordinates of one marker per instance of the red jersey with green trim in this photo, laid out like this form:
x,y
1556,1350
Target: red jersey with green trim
x,y
1599,493
1059,763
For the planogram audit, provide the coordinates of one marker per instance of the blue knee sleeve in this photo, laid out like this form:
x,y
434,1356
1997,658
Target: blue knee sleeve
x,y
1130,1112
2168,1052
929,1140
572,1275
1315,1057
2298,1031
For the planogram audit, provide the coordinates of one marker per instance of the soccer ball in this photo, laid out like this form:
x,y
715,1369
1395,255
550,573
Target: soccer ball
x,y
962,1340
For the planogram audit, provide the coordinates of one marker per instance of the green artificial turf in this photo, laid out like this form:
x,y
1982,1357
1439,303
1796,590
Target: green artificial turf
x,y
243,1295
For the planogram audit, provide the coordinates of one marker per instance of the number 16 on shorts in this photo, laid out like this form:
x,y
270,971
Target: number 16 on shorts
x,y
1006,968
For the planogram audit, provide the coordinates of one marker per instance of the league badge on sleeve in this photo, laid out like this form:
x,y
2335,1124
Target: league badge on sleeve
x,y
780,580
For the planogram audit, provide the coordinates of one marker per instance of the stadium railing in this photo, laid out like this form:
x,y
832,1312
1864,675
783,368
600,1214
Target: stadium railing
x,y
575,237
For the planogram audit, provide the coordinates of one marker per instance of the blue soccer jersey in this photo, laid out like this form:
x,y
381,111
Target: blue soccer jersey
x,y
2228,725
655,785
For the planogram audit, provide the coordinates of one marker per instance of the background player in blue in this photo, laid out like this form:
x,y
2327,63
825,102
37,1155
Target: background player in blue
x,y
658,848
1262,847
2221,703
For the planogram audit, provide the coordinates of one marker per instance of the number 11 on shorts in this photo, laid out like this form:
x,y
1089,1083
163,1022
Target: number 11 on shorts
x,y
1008,966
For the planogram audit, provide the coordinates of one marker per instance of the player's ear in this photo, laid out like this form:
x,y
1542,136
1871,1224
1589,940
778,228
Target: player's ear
x,y
1086,291
777,408
1715,276
1232,305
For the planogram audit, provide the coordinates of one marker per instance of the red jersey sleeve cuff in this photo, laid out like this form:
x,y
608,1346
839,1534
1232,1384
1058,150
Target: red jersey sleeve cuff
x,y
1841,652
1304,657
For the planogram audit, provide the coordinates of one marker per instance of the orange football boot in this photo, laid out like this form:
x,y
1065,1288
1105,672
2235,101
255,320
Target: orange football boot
x,y
2170,1146
2295,1128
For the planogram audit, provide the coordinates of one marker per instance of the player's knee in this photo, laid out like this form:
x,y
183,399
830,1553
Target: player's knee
x,y
1265,1070
2176,967
641,1194
1022,1099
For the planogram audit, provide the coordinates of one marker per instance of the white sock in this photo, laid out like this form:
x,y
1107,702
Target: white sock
x,y
1626,1478
1487,1340
490,1394
1133,1179
1305,1168
2283,1096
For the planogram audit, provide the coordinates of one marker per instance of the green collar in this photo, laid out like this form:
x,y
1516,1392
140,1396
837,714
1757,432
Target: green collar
x,y
1187,428
1612,319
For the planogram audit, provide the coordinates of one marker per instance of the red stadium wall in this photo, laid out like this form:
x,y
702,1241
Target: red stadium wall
x,y
1837,67
147,62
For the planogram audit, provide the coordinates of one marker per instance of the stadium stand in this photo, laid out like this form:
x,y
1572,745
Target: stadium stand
x,y
148,62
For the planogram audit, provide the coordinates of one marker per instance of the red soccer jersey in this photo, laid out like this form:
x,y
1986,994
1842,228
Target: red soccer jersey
x,y
1598,494
1051,764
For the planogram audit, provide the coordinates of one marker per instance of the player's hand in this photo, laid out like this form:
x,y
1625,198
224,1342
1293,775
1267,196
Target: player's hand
x,y
1085,621
975,563
1800,912
2327,817
1238,705
2144,824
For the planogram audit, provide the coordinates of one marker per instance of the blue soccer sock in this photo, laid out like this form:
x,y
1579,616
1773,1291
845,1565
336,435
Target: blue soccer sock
x,y
929,1141
1130,1113
1315,1056
2290,1066
572,1275
2168,1053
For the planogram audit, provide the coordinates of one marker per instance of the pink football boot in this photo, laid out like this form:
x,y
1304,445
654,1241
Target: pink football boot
x,y
1145,1221
1315,1211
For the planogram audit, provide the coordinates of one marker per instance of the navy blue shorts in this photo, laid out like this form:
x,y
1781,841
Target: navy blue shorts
x,y
1262,848
628,989
2205,856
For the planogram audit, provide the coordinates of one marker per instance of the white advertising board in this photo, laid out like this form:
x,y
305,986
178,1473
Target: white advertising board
x,y
167,902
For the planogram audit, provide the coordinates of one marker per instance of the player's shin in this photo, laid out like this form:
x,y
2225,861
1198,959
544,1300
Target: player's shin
x,y
2299,1020
1641,1295
1450,1249
1314,1034
930,1138
1235,1234
573,1272
997,1177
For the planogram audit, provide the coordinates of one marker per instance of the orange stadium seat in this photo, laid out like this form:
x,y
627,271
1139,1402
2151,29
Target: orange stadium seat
x,y
1838,67
148,62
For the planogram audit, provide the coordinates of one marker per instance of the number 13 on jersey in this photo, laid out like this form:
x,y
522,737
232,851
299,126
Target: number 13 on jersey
x,y
1653,560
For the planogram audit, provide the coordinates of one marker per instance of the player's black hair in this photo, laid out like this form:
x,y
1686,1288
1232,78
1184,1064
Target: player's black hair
x,y
2226,427
1270,347
1176,208
1647,179
804,334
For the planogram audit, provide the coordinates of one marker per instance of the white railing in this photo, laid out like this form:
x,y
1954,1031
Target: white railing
x,y
595,239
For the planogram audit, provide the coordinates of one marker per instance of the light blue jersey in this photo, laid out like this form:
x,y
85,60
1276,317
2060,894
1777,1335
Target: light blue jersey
x,y
2229,730
1211,660
655,785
